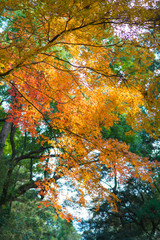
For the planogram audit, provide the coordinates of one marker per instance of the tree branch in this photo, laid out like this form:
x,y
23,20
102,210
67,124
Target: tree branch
x,y
31,154
13,129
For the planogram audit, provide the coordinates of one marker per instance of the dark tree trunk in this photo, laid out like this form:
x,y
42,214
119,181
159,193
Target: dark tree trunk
x,y
3,135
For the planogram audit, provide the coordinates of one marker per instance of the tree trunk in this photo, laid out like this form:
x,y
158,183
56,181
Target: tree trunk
x,y
3,135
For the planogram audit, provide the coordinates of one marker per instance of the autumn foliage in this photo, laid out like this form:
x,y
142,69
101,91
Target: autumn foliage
x,y
60,60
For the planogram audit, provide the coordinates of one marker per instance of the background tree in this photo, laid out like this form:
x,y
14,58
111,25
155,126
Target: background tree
x,y
27,221
139,213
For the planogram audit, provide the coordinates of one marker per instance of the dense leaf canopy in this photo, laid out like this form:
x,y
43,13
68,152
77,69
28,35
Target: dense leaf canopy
x,y
71,73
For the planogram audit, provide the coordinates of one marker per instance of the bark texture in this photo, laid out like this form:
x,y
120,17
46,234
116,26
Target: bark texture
x,y
3,135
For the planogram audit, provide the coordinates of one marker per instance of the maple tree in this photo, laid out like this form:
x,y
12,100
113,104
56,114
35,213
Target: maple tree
x,y
65,68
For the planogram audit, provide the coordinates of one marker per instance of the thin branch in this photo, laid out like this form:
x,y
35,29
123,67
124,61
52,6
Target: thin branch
x,y
31,154
24,145
82,67
13,130
91,45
